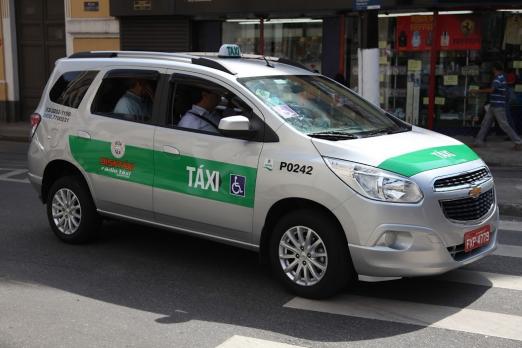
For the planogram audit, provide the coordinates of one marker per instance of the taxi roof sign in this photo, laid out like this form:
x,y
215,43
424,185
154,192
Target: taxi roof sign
x,y
229,51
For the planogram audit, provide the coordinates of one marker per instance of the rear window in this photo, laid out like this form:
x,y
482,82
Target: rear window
x,y
70,88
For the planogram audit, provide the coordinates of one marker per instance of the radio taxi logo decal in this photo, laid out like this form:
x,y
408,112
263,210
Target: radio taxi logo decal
x,y
237,185
117,167
118,149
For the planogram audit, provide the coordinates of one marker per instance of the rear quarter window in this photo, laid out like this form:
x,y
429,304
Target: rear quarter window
x,y
71,87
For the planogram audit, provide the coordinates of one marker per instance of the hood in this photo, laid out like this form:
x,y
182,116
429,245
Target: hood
x,y
407,153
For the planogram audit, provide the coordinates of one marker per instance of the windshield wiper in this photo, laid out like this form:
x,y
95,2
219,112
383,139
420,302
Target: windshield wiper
x,y
333,135
388,130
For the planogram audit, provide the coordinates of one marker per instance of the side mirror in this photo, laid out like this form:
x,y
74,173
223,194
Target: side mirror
x,y
237,127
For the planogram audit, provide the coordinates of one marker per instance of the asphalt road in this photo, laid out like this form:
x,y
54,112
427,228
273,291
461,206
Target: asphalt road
x,y
142,287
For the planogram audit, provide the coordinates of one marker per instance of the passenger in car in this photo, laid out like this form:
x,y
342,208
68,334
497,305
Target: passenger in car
x,y
137,101
202,115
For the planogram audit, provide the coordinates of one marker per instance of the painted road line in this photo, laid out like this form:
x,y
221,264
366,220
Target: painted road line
x,y
508,250
13,172
242,341
494,280
450,318
511,225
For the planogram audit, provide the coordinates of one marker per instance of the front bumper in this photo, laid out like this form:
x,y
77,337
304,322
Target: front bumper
x,y
420,253
423,241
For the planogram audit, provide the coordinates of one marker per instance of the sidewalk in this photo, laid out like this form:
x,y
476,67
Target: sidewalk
x,y
496,153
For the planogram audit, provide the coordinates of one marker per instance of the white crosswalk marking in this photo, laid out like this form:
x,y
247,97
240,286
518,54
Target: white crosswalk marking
x,y
494,280
511,225
250,342
9,173
508,250
450,318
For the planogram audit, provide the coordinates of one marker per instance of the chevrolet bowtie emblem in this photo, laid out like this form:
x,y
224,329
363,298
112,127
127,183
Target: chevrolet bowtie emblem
x,y
475,192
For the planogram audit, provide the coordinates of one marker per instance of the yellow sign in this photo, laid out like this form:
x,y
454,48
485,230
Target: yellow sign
x,y
518,88
451,80
383,60
425,100
383,44
440,100
517,64
414,65
381,77
471,87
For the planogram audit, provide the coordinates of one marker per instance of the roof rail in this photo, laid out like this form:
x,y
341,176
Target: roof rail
x,y
209,63
89,54
184,57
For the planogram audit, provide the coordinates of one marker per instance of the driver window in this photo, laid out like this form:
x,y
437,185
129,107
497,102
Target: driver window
x,y
199,105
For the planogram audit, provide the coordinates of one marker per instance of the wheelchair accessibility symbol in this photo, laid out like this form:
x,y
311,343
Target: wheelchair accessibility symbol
x,y
237,185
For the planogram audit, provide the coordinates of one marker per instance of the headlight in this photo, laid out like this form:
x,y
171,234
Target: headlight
x,y
375,183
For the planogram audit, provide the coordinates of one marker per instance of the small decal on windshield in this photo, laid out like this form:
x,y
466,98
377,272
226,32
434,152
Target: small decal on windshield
x,y
285,111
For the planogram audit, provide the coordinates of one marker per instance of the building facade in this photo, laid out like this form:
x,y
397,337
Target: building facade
x,y
37,32
430,52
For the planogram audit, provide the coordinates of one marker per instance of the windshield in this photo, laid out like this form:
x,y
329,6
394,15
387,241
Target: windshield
x,y
322,108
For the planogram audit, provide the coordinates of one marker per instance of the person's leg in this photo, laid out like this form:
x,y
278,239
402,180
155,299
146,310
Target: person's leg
x,y
500,116
484,127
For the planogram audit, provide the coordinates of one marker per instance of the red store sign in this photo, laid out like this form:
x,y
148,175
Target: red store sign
x,y
456,32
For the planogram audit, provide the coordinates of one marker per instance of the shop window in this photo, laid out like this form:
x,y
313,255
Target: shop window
x,y
71,87
298,39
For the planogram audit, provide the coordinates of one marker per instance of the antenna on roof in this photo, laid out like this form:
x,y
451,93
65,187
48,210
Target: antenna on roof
x,y
268,63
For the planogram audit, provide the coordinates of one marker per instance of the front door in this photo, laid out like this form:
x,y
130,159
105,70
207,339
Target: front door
x,y
205,182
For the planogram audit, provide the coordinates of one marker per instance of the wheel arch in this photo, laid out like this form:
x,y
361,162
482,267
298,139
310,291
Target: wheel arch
x,y
57,169
285,206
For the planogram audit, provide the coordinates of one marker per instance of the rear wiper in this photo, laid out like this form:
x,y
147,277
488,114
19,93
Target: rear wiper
x,y
333,135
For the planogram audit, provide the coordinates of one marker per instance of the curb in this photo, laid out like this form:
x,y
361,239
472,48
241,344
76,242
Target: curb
x,y
510,209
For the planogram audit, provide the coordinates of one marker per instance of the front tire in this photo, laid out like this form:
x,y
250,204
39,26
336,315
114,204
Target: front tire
x,y
309,254
71,211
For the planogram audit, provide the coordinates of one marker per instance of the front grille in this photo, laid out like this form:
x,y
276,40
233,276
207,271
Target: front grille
x,y
461,179
468,209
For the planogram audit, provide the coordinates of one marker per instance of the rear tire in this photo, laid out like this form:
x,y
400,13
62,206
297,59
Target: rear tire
x,y
71,211
309,254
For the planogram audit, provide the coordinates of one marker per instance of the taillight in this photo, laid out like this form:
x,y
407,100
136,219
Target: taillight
x,y
35,121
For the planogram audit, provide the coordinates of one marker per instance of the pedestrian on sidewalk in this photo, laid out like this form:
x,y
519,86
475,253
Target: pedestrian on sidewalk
x,y
497,109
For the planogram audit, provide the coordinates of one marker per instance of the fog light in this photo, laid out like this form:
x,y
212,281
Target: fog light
x,y
387,239
395,240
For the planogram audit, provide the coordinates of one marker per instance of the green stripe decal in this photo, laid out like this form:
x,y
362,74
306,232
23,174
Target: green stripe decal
x,y
416,162
189,175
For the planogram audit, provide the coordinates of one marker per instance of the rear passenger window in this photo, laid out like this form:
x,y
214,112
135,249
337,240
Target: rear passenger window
x,y
70,88
127,94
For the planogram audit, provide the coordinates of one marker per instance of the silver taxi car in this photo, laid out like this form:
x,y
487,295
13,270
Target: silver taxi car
x,y
324,185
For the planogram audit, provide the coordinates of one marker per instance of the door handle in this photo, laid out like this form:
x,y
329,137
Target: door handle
x,y
170,150
83,134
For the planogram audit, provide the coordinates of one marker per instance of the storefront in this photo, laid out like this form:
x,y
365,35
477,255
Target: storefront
x,y
464,45
429,59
